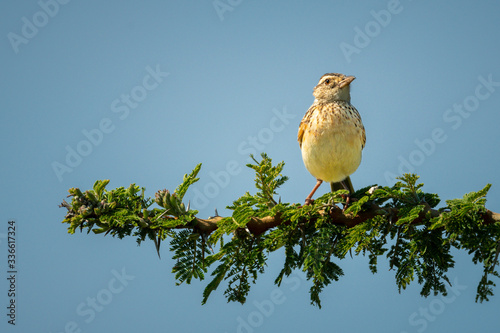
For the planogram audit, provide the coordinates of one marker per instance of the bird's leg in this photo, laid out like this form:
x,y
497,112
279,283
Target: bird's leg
x,y
348,197
309,197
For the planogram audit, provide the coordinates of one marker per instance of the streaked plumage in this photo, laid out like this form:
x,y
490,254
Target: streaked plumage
x,y
331,134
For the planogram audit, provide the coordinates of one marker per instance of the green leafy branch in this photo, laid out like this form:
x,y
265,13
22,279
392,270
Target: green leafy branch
x,y
400,223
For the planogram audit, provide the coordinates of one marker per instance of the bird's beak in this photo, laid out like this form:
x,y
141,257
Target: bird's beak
x,y
346,81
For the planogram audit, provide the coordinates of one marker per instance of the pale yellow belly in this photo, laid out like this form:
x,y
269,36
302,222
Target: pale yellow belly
x,y
332,155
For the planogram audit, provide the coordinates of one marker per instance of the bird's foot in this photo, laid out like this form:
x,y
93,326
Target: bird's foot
x,y
308,201
347,199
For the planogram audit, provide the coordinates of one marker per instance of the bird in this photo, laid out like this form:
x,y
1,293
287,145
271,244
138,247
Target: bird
x,y
331,135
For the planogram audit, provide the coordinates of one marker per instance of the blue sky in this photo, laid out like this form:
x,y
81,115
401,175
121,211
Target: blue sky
x,y
140,92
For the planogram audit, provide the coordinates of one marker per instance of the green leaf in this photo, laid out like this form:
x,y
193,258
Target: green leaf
x,y
99,188
407,215
187,181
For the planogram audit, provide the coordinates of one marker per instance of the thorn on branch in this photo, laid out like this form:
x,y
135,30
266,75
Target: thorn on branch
x,y
157,244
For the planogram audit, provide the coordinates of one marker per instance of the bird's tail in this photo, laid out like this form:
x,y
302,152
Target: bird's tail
x,y
346,184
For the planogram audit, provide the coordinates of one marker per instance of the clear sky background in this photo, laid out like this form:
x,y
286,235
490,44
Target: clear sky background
x,y
212,85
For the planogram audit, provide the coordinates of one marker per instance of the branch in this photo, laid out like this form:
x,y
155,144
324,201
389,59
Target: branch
x,y
313,235
258,226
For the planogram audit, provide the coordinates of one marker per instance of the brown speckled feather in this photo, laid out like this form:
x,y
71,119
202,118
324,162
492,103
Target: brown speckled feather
x,y
334,110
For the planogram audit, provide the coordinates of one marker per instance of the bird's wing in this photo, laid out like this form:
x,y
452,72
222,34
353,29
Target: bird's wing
x,y
359,123
304,124
364,138
302,128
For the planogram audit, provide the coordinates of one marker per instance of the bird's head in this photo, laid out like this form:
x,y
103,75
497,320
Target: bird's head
x,y
333,87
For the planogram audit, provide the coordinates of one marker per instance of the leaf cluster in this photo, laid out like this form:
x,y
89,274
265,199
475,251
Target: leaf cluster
x,y
399,223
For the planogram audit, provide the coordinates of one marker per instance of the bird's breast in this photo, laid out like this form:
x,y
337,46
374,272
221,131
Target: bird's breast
x,y
332,141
